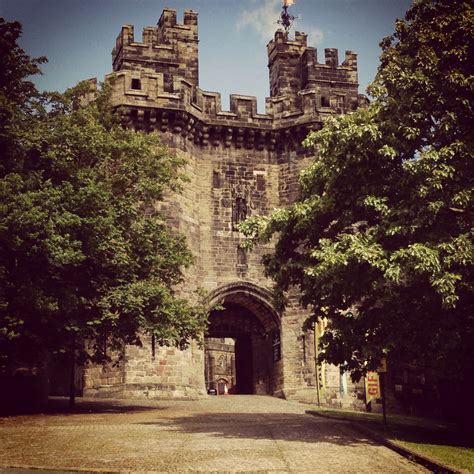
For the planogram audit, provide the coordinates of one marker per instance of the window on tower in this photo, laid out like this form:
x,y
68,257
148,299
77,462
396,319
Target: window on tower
x,y
136,84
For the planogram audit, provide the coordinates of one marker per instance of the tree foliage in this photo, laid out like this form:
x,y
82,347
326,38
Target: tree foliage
x,y
380,240
84,250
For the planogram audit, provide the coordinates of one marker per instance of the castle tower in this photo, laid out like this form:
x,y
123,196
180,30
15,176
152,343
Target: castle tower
x,y
294,70
170,49
240,163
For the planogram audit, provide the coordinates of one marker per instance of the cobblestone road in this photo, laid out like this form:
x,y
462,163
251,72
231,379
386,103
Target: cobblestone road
x,y
234,433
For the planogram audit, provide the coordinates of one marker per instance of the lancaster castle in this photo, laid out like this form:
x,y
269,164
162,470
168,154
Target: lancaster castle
x,y
240,163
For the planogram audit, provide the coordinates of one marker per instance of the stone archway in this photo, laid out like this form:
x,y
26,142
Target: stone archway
x,y
243,341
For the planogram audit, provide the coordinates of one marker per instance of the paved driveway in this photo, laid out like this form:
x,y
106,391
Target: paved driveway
x,y
233,433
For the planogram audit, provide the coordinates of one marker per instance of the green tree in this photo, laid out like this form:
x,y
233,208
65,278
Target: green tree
x,y
380,240
84,251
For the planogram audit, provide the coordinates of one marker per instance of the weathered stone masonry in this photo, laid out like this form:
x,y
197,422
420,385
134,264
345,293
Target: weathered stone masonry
x,y
240,163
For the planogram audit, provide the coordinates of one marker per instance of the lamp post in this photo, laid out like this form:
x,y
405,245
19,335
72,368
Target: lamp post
x,y
316,367
382,370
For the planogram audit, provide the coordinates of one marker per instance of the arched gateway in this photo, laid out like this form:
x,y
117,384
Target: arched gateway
x,y
243,342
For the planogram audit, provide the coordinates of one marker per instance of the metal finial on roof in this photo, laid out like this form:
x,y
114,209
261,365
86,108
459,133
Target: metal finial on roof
x,y
286,19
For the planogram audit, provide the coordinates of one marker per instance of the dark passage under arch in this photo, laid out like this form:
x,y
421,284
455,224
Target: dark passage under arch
x,y
239,346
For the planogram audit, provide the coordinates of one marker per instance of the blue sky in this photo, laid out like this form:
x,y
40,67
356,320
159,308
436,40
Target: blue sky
x,y
77,36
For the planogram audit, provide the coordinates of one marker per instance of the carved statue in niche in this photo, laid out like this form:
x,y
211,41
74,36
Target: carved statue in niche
x,y
239,210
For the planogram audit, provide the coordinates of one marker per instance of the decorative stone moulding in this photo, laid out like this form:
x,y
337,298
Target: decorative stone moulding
x,y
215,135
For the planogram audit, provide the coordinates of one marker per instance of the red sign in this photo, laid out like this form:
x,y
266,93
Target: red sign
x,y
372,386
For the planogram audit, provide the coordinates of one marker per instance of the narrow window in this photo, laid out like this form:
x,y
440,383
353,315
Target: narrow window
x,y
216,179
325,101
260,183
241,256
136,84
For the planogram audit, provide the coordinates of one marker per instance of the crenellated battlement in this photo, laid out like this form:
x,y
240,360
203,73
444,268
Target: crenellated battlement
x,y
159,76
170,48
198,114
294,67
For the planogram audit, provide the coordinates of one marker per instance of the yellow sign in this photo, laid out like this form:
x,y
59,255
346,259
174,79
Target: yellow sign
x,y
372,387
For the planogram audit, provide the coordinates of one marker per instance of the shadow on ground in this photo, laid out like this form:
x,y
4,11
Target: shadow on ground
x,y
276,426
400,429
456,438
60,406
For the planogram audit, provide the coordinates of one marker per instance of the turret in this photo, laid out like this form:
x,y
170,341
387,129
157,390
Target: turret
x,y
170,48
284,62
294,70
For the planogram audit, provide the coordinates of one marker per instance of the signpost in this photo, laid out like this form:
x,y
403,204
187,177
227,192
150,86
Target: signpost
x,y
375,387
372,387
382,370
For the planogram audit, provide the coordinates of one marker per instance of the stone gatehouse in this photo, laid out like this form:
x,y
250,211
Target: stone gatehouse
x,y
240,163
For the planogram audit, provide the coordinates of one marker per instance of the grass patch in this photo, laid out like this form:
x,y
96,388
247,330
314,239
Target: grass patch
x,y
445,445
442,442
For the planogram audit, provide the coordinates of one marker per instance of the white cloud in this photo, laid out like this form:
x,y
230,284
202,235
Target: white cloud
x,y
263,20
315,35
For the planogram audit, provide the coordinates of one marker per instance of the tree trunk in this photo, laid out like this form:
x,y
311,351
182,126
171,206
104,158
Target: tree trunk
x,y
72,386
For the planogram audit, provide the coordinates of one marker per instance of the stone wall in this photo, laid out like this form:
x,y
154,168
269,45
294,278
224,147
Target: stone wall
x,y
220,364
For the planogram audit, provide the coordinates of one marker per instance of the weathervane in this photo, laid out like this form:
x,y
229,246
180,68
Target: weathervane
x,y
286,19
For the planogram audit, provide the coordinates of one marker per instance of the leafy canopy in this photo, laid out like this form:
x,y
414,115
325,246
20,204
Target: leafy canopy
x,y
380,240
84,250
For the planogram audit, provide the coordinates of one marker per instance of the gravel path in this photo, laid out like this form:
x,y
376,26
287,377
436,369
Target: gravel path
x,y
233,433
